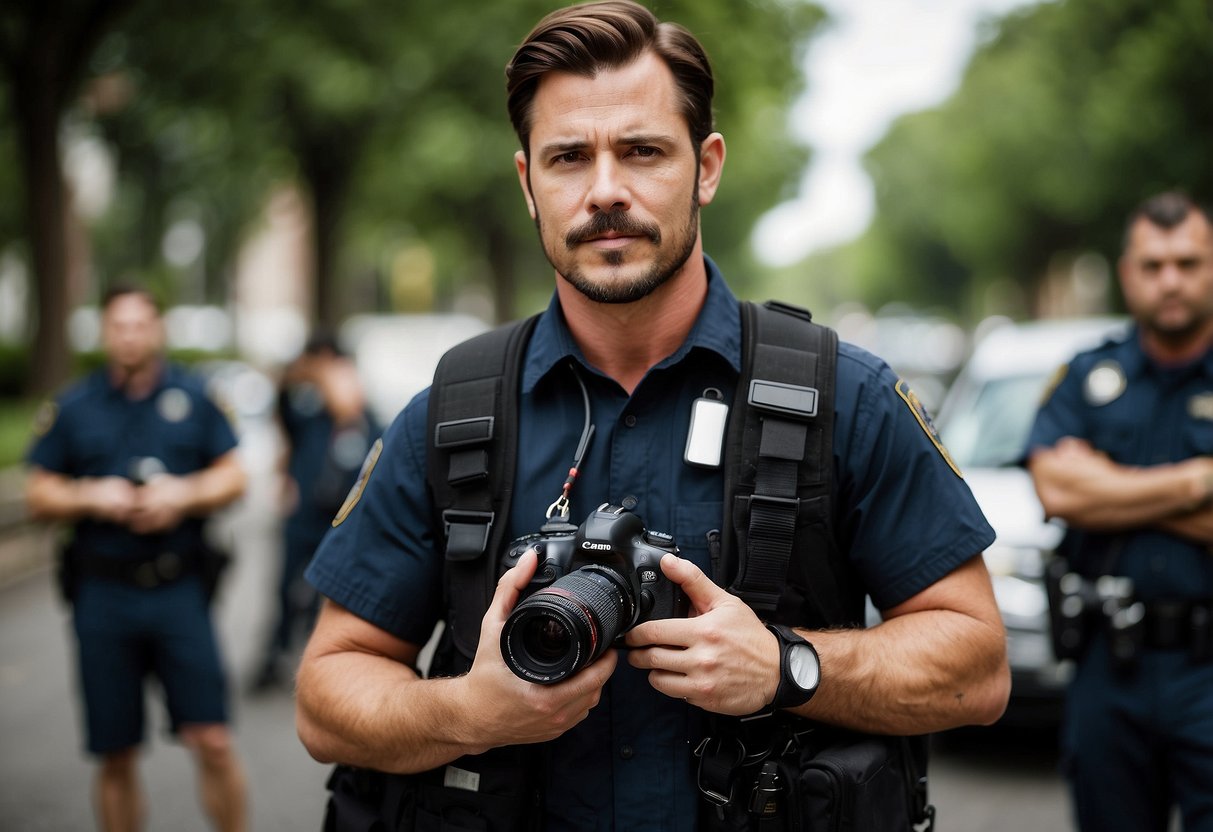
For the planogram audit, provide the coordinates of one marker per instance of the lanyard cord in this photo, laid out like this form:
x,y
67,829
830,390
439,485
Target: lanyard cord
x,y
561,506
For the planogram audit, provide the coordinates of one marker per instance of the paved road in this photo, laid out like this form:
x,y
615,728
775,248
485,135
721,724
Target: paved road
x,y
982,781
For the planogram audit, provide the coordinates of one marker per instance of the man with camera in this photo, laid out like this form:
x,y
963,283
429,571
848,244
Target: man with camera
x,y
135,457
613,113
1122,451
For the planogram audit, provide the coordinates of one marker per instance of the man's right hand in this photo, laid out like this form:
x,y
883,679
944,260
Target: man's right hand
x,y
510,710
108,498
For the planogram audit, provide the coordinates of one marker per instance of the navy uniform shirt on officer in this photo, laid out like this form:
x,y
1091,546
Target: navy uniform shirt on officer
x,y
1141,414
1118,719
1122,452
95,430
902,512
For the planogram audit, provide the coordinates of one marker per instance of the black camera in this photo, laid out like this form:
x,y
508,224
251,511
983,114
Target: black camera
x,y
593,583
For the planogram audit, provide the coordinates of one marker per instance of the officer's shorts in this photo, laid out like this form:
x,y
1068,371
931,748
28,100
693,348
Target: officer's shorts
x,y
126,634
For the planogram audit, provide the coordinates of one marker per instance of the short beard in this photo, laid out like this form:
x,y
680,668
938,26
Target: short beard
x,y
1177,336
619,222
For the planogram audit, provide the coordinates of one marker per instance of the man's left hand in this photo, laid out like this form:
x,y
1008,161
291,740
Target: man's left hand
x,y
160,505
721,659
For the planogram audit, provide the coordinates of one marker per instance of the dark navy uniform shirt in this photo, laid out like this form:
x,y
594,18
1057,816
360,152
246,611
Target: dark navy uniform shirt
x,y
1138,413
324,466
902,513
94,430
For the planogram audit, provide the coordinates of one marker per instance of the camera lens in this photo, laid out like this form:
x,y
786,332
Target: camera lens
x,y
547,639
564,627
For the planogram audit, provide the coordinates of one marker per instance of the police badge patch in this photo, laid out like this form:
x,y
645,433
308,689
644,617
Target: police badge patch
x,y
174,405
1104,383
351,499
924,421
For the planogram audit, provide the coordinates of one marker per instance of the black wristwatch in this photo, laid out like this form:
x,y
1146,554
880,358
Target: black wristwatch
x,y
799,668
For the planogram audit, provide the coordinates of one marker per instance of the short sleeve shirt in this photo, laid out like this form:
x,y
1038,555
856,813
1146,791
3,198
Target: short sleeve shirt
x,y
903,514
1138,413
94,430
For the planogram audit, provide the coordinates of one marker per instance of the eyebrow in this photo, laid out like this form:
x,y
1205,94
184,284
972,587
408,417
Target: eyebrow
x,y
636,140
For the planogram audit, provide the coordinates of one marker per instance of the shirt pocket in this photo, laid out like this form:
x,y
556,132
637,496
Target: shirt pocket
x,y
1198,437
1118,438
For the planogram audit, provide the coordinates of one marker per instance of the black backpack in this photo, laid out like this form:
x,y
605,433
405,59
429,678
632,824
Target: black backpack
x,y
778,467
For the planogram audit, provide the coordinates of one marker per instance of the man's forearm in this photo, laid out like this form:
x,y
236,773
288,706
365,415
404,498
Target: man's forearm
x,y
1194,525
215,486
51,496
1091,492
917,673
379,722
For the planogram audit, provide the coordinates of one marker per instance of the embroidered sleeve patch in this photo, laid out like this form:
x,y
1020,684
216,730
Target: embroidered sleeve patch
x,y
364,475
924,421
44,418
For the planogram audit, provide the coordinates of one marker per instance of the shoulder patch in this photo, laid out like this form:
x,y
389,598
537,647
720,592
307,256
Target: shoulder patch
x,y
924,421
1058,375
44,418
364,475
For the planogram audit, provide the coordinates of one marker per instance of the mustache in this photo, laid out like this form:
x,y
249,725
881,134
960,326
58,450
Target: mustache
x,y
607,222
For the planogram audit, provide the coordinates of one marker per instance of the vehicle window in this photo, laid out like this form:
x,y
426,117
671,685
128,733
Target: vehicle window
x,y
991,432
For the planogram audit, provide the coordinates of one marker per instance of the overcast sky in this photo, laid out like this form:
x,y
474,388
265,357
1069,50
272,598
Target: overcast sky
x,y
877,60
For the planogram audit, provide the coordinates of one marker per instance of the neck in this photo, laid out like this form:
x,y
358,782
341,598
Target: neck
x,y
624,340
135,382
1174,352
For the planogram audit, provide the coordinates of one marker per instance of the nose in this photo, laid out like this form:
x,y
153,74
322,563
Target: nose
x,y
608,190
1170,276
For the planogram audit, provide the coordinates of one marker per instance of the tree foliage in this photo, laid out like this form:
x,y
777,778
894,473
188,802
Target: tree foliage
x,y
392,120
1069,115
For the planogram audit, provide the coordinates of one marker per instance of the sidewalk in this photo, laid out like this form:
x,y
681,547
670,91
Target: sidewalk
x,y
25,546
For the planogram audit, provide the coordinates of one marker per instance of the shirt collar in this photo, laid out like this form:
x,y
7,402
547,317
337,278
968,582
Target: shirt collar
x,y
1136,363
164,377
717,328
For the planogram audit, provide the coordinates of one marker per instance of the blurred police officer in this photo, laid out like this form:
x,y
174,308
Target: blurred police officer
x,y
1122,450
135,456
328,429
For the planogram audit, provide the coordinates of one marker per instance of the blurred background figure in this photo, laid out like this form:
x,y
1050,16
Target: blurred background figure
x,y
1122,451
135,457
328,429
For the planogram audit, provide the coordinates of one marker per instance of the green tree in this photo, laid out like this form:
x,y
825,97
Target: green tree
x,y
1069,115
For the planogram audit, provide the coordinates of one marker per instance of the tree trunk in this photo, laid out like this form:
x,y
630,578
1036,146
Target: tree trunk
x,y
45,205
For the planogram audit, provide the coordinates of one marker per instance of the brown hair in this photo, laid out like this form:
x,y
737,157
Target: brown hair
x,y
1166,210
585,39
123,289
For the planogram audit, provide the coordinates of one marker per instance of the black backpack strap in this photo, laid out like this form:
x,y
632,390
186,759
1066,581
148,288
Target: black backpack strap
x,y
779,472
470,467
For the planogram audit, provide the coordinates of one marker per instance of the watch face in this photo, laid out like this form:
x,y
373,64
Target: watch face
x,y
802,664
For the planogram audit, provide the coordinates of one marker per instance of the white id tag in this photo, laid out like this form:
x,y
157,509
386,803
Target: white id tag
x,y
705,437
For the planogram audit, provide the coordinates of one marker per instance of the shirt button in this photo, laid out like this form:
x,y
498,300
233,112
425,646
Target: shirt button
x,y
626,752
630,420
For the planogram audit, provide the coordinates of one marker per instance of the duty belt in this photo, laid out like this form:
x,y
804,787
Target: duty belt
x,y
1174,624
146,572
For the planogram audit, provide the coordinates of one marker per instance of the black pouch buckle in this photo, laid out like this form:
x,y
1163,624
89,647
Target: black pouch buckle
x,y
719,763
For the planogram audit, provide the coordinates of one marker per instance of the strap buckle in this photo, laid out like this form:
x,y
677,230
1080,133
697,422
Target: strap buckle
x,y
467,533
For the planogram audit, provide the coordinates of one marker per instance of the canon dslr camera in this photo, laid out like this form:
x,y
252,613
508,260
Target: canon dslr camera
x,y
593,583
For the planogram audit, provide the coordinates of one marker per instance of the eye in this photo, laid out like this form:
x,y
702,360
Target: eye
x,y
572,157
645,151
